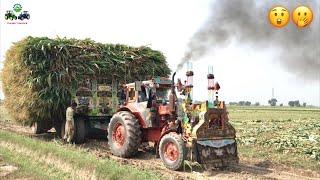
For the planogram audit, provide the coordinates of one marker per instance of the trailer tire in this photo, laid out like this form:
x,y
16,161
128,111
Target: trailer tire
x,y
62,129
36,128
172,151
80,131
124,134
58,126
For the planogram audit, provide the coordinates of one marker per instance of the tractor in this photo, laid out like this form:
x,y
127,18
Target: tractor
x,y
24,15
159,111
181,130
10,15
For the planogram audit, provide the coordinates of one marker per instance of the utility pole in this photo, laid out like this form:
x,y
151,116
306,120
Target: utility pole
x,y
272,93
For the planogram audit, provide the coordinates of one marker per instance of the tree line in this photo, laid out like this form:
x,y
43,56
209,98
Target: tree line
x,y
271,102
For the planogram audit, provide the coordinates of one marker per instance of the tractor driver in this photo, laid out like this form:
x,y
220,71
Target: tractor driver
x,y
142,94
69,127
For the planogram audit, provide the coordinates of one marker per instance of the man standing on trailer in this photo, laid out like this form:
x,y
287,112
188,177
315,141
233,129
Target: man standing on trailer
x,y
69,127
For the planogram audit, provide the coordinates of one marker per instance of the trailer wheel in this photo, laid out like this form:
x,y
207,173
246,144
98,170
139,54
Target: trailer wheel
x,y
124,134
80,131
59,128
172,151
62,129
36,128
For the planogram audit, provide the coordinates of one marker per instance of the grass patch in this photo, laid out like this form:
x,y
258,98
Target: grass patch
x,y
77,158
4,115
27,168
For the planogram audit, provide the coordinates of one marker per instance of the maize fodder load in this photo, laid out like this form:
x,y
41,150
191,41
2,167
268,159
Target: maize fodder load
x,y
39,72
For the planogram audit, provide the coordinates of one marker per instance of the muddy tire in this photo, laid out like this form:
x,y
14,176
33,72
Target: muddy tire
x,y
36,128
172,151
124,134
80,131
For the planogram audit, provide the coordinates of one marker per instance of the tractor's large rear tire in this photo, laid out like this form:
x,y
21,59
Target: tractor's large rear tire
x,y
124,134
172,151
36,128
79,136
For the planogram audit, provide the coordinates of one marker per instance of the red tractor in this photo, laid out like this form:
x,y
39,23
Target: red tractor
x,y
151,112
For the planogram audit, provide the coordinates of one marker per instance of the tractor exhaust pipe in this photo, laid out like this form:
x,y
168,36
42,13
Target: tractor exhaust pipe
x,y
174,74
172,97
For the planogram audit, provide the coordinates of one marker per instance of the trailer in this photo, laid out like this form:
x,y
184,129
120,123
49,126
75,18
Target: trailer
x,y
96,100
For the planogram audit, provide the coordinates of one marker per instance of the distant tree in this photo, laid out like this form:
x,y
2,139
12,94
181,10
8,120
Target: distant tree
x,y
241,103
273,102
297,103
291,103
281,104
247,103
233,103
257,104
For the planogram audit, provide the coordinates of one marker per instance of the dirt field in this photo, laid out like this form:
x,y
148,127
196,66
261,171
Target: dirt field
x,y
257,161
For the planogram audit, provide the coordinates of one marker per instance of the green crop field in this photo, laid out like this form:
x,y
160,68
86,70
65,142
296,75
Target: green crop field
x,y
288,136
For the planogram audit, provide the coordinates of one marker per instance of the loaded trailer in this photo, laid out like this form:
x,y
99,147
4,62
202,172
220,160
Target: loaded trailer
x,y
96,103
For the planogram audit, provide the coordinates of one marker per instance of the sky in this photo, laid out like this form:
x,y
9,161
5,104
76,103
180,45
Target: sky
x,y
243,72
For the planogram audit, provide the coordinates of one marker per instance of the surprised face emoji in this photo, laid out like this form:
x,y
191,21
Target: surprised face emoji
x,y
279,16
302,16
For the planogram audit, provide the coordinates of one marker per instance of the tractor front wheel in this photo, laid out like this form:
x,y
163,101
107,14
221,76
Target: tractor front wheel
x,y
124,134
172,151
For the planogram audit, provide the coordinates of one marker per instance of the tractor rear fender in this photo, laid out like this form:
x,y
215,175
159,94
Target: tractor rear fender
x,y
136,113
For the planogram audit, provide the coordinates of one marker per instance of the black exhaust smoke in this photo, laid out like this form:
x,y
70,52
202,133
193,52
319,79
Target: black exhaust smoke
x,y
245,22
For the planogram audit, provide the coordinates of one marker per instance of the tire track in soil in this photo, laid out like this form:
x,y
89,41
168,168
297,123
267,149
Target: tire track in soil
x,y
146,160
